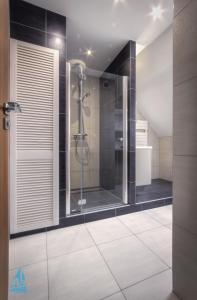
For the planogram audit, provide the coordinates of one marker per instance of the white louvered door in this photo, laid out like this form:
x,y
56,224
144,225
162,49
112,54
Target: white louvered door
x,y
34,137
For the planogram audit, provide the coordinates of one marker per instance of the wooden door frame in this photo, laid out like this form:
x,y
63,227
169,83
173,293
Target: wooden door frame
x,y
4,96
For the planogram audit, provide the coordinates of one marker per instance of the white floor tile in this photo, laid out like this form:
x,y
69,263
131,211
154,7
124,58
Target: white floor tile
x,y
139,222
118,296
36,282
67,240
158,287
81,275
107,230
159,240
27,250
130,261
163,214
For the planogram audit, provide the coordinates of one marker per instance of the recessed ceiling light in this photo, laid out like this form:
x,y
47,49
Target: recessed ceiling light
x,y
89,52
58,41
157,12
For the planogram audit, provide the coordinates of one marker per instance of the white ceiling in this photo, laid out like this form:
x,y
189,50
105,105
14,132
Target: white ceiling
x,y
105,27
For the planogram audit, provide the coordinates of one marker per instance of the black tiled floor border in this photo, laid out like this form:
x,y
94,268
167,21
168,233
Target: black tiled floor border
x,y
98,215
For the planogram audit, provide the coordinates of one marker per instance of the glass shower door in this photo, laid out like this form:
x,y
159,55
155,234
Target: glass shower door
x,y
97,152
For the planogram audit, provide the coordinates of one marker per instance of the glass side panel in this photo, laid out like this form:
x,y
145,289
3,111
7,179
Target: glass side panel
x,y
96,140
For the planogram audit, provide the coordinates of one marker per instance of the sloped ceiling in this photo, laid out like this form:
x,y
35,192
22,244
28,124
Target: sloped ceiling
x,y
154,84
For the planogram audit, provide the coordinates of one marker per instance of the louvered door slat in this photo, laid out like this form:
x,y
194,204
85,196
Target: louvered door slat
x,y
34,137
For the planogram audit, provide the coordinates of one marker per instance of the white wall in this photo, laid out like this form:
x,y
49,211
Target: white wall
x,y
154,84
153,141
165,158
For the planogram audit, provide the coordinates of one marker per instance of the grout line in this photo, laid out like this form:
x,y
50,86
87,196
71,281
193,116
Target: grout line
x,y
185,155
161,259
40,30
104,260
108,242
137,283
156,219
175,15
136,235
167,267
120,292
185,81
28,265
152,276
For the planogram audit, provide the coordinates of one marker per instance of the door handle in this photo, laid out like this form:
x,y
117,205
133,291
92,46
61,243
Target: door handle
x,y
11,106
7,108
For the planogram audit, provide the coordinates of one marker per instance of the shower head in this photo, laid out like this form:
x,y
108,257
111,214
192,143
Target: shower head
x,y
80,68
78,62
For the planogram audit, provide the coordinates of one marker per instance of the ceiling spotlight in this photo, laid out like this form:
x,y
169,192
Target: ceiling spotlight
x,y
89,52
157,12
58,41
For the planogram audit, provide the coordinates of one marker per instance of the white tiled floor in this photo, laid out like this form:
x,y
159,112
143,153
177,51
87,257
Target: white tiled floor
x,y
127,257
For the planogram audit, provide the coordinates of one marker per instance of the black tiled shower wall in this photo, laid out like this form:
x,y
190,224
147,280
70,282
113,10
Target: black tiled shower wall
x,y
35,25
125,65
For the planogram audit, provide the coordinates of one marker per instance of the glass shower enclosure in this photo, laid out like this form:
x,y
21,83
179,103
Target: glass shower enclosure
x,y
97,139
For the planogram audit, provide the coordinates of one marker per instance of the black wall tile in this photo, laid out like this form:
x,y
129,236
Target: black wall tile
x,y
62,204
100,215
119,59
131,166
62,132
127,210
131,104
132,82
62,170
131,135
27,14
132,49
131,192
70,221
62,65
62,100
27,34
56,24
53,44
124,68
